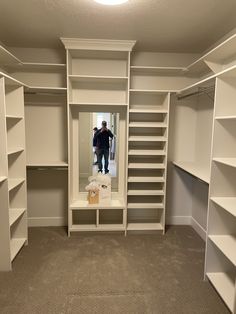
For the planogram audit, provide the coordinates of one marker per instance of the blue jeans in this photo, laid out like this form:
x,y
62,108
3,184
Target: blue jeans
x,y
103,152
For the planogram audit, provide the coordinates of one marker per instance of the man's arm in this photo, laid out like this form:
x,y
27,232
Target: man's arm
x,y
110,134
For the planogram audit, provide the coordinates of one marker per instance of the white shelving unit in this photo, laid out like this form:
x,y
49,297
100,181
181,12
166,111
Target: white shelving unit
x,y
220,266
13,207
147,151
97,80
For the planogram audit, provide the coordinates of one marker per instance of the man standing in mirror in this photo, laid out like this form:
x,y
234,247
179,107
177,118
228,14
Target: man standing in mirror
x,y
102,146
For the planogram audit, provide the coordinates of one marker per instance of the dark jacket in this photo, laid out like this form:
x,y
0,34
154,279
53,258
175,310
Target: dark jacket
x,y
101,138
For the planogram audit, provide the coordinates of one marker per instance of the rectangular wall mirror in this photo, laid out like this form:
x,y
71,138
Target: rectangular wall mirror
x,y
88,152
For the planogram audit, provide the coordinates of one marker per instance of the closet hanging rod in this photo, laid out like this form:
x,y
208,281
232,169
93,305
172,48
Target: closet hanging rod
x,y
200,91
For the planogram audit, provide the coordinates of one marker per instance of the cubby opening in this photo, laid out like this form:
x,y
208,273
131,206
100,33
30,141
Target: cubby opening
x,y
110,216
98,63
84,217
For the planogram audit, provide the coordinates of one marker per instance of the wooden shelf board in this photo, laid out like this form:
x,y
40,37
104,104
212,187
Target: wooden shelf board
x,y
7,58
13,183
153,69
2,179
144,226
47,165
146,152
227,203
226,243
225,117
146,165
194,169
15,150
226,161
111,227
225,286
147,125
146,205
15,214
13,117
96,104
151,91
104,79
101,227
148,111
146,179
147,139
15,245
11,81
46,89
145,192
83,204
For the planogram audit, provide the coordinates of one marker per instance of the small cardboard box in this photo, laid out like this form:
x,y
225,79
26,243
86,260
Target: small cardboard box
x,y
93,197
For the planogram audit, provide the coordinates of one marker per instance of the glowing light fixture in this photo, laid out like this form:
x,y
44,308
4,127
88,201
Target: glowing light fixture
x,y
110,2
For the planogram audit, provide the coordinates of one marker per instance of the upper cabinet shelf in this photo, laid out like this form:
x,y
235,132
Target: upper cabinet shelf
x,y
7,58
216,59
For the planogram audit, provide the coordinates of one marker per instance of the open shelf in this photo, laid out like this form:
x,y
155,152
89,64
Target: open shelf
x,y
16,244
226,161
15,214
46,90
14,117
100,227
146,152
225,286
13,183
228,203
15,151
94,79
225,117
147,138
146,179
97,104
151,91
83,204
226,243
143,110
144,226
132,165
7,58
2,179
146,205
145,192
157,70
195,170
147,125
47,165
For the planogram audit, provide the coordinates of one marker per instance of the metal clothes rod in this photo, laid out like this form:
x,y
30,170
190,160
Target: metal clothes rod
x,y
198,92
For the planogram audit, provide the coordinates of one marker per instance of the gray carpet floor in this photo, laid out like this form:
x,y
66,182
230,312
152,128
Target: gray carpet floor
x,y
109,273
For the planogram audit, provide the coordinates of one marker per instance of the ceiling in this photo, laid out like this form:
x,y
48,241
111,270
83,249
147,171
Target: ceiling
x,y
157,25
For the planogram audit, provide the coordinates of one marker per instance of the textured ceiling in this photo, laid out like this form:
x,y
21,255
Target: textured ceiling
x,y
157,25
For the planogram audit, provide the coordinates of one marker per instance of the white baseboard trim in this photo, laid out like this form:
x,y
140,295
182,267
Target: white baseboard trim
x,y
198,228
178,220
46,221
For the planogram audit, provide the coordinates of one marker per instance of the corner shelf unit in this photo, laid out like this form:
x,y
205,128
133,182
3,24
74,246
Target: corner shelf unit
x,y
147,151
220,263
97,80
13,207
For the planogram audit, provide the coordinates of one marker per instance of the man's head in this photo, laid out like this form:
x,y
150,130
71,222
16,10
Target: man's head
x,y
95,129
104,124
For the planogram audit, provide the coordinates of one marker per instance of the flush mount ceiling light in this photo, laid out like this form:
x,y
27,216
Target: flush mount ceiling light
x,y
111,2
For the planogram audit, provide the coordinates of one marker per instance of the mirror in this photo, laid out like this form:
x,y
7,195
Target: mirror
x,y
89,153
